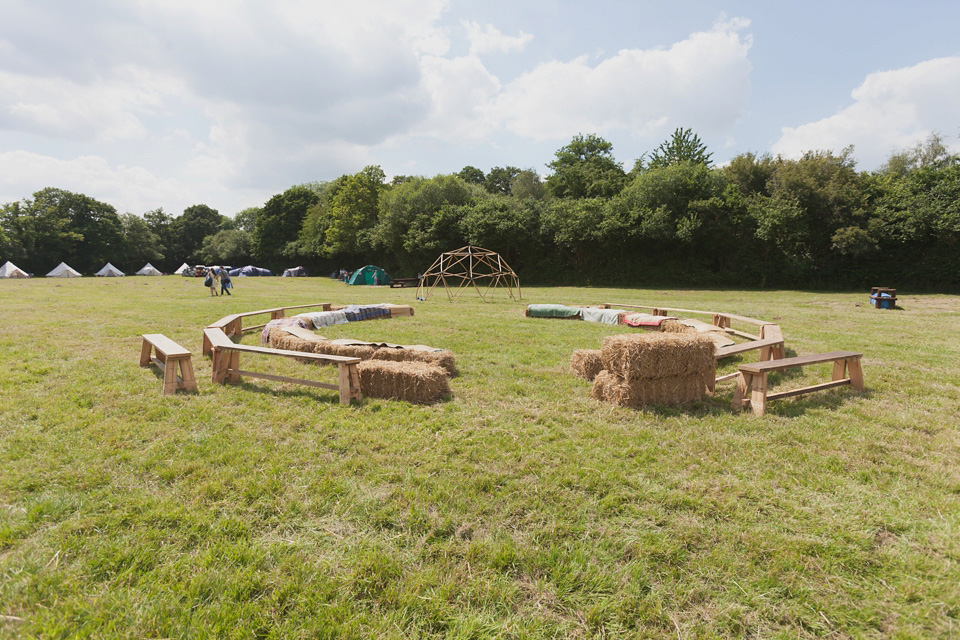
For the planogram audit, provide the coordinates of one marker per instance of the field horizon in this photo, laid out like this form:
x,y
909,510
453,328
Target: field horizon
x,y
517,508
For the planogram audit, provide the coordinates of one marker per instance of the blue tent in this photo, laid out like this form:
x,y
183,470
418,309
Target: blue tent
x,y
250,270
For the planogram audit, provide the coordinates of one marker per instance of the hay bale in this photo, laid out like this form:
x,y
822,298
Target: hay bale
x,y
280,339
443,359
609,387
672,325
414,382
330,348
586,363
657,355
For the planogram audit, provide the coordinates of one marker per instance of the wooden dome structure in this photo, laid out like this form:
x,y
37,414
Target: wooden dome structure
x,y
467,267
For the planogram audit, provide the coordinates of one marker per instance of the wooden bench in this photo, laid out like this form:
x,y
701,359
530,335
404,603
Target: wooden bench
x,y
233,325
752,383
168,356
226,365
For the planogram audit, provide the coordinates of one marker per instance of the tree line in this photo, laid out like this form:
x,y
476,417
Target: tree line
x,y
673,219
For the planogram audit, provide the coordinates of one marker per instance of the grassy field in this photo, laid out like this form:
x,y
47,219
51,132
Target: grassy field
x,y
520,508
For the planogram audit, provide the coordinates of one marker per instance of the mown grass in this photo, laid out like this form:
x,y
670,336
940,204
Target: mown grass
x,y
520,508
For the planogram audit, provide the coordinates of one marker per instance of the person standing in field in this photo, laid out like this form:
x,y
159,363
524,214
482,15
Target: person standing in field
x,y
211,281
226,283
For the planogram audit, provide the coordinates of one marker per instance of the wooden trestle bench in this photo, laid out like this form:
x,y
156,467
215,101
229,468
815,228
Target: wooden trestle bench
x,y
226,365
752,382
169,355
233,325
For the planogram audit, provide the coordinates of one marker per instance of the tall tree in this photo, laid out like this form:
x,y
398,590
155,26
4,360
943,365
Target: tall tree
x,y
585,168
353,212
500,179
683,146
188,231
279,222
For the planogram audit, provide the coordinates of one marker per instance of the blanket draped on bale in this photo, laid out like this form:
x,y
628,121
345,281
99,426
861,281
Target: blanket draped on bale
x,y
644,320
603,316
293,321
552,311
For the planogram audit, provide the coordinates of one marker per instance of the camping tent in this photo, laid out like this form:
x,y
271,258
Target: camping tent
x,y
10,270
369,275
149,270
110,271
469,267
295,272
180,270
250,270
63,270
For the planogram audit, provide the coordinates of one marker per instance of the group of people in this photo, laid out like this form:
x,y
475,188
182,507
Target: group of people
x,y
218,277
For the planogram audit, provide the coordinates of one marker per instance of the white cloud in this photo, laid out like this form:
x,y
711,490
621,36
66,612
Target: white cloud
x,y
892,110
702,82
489,39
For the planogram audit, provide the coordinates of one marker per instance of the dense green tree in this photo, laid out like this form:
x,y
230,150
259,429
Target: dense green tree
x,y
472,175
419,218
229,247
576,228
683,146
500,179
585,168
353,212
750,173
246,219
930,153
190,228
58,225
280,221
527,184
141,245
509,226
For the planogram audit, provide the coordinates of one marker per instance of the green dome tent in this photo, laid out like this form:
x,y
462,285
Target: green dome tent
x,y
369,275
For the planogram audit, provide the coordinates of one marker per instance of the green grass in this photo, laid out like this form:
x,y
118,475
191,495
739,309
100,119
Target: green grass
x,y
520,508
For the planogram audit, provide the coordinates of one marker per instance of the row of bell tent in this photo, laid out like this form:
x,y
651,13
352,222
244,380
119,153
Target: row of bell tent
x,y
63,270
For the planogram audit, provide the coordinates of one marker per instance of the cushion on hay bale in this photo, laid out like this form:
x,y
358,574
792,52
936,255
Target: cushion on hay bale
x,y
414,382
443,359
586,363
609,387
657,355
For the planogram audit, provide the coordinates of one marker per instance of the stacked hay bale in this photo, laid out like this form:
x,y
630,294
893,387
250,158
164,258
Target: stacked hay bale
x,y
586,363
654,368
416,382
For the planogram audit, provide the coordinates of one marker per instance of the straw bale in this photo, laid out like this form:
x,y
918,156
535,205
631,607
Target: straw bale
x,y
657,355
586,363
330,348
280,339
415,382
672,325
609,387
443,359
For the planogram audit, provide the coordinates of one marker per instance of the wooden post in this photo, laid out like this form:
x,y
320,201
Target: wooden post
x,y
758,394
856,373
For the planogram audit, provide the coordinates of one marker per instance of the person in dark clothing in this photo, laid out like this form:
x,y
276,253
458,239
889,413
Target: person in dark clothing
x,y
225,282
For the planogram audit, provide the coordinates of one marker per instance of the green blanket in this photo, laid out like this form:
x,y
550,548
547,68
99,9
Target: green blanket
x,y
552,311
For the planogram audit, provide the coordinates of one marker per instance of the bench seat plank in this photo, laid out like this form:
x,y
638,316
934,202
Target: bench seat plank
x,y
798,361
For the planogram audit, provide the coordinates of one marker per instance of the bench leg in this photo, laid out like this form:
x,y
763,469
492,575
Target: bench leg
x,y
234,365
349,383
839,369
758,394
220,362
856,373
169,376
207,347
186,374
740,395
145,353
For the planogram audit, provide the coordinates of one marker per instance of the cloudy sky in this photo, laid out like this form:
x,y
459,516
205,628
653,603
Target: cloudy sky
x,y
169,103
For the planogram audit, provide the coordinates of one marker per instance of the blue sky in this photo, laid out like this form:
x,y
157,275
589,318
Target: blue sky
x,y
171,103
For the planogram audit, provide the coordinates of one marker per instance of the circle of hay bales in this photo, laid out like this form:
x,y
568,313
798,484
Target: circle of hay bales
x,y
657,355
415,382
586,363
